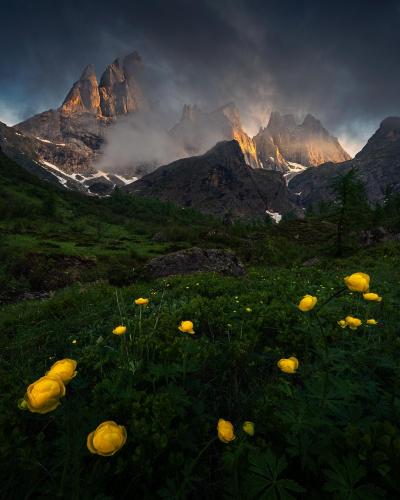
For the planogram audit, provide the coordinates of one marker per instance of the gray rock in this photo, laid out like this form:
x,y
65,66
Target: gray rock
x,y
377,166
218,183
311,262
308,143
195,260
377,235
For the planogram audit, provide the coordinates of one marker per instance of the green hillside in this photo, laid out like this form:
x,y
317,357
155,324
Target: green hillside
x,y
328,430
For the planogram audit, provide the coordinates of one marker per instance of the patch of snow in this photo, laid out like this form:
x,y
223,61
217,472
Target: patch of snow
x,y
275,216
51,165
298,194
296,167
50,142
17,133
125,180
61,180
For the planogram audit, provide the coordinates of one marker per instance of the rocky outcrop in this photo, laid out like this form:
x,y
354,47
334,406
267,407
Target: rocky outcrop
x,y
198,131
284,142
119,90
195,260
80,123
377,166
84,95
218,182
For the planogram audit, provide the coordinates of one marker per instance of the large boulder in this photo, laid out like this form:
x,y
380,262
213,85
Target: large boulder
x,y
195,260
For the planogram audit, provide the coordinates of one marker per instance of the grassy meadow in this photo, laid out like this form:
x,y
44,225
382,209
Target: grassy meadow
x,y
328,429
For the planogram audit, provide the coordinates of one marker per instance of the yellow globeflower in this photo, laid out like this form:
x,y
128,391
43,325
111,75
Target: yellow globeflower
x,y
248,309
225,431
186,327
65,369
141,301
119,330
288,365
307,303
373,297
353,323
107,439
44,395
248,428
372,322
357,282
342,323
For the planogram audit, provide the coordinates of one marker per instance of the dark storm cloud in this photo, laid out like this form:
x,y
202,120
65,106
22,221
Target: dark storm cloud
x,y
338,60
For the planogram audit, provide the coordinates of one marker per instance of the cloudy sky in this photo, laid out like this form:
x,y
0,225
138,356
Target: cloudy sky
x,y
337,60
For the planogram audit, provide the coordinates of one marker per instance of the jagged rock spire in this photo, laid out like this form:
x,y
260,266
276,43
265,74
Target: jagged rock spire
x,y
117,94
84,95
119,90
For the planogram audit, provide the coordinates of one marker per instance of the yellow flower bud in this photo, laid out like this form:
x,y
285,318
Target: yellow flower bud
x,y
65,369
357,282
371,322
353,323
307,303
373,297
44,395
107,439
141,301
119,330
248,428
225,431
248,309
342,323
186,327
288,365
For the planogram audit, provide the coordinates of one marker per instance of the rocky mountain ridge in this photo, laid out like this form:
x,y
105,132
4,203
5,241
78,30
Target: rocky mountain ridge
x,y
198,131
218,182
284,144
81,122
90,107
377,166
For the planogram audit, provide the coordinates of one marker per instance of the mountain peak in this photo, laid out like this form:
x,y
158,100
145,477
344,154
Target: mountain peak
x,y
120,93
308,144
384,143
190,112
132,63
311,122
226,150
390,123
84,94
231,112
278,121
88,72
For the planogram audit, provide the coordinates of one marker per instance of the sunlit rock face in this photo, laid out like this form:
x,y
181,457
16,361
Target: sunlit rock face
x,y
79,125
284,141
198,131
84,95
119,90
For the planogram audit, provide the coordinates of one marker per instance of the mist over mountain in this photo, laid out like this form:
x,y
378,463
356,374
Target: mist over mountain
x,y
264,56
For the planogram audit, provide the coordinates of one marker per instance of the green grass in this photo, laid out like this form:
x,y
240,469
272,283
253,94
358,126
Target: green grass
x,y
333,424
329,431
40,225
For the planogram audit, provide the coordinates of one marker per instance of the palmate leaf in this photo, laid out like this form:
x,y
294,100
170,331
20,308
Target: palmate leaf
x,y
343,481
264,481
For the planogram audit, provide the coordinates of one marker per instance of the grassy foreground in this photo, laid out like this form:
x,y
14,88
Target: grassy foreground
x,y
330,430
